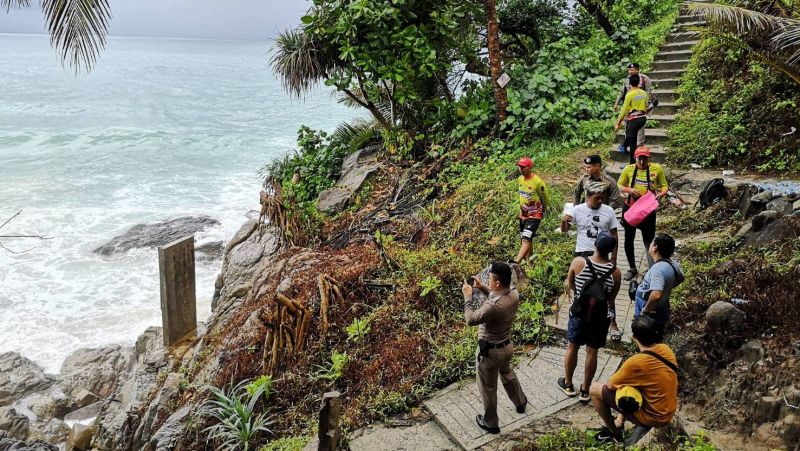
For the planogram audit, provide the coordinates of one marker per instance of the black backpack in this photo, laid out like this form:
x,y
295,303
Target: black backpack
x,y
595,296
713,192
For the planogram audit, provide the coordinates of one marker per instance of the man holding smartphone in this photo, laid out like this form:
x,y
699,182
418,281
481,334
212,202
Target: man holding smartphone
x,y
495,319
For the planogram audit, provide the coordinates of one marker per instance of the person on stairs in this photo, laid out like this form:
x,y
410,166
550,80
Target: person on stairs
x,y
635,181
644,83
653,372
495,319
593,218
533,200
634,112
652,295
595,282
593,165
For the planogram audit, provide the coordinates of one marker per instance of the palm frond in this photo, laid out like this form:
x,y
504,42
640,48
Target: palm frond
x,y
789,39
357,135
78,29
11,4
741,19
299,62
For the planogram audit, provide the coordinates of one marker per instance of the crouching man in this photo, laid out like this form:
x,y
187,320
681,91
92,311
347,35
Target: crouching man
x,y
494,318
653,372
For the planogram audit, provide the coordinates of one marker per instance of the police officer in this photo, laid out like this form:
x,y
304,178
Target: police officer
x,y
494,318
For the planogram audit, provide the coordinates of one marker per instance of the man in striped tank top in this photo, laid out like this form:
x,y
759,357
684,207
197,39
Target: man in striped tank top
x,y
595,282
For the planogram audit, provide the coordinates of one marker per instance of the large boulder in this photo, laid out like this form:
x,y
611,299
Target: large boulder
x,y
15,424
781,205
355,170
55,431
723,316
95,370
11,444
52,403
19,376
80,438
169,435
780,230
158,234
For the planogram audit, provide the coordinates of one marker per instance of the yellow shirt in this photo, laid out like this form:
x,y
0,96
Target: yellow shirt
x,y
658,181
657,382
635,100
532,189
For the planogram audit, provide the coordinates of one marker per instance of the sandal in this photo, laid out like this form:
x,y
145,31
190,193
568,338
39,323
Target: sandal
x,y
616,335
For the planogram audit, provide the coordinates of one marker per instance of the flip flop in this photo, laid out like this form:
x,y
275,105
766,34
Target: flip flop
x,y
616,335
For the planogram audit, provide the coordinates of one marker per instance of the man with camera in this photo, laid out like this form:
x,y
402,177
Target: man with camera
x,y
495,319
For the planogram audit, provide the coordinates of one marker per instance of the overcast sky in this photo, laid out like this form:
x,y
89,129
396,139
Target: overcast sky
x,y
220,19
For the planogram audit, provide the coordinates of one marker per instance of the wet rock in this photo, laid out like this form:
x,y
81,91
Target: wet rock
x,y
781,205
10,444
159,408
96,370
84,397
19,376
210,251
790,429
355,170
15,424
752,351
242,234
723,316
762,197
172,431
158,234
55,431
764,218
79,438
84,413
53,403
151,339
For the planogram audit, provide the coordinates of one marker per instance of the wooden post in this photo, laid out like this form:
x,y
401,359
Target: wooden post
x,y
329,415
178,301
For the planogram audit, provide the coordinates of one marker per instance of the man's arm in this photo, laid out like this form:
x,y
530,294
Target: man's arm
x,y
614,196
656,291
474,317
579,191
652,301
661,181
569,282
617,277
616,245
648,85
566,223
544,198
621,96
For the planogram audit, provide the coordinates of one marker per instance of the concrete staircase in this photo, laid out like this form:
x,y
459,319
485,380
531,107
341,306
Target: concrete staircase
x,y
666,71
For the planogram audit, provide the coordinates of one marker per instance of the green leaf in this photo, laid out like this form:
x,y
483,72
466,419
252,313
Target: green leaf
x,y
307,19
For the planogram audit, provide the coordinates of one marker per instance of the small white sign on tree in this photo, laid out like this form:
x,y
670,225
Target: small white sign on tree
x,y
503,80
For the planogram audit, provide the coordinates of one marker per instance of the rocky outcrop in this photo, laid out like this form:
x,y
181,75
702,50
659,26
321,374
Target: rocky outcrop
x,y
15,424
210,251
11,444
355,170
158,234
723,316
95,370
19,376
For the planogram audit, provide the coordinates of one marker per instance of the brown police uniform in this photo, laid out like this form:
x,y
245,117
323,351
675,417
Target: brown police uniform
x,y
494,319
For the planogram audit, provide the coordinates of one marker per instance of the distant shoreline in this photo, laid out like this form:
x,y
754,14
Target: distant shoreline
x,y
112,37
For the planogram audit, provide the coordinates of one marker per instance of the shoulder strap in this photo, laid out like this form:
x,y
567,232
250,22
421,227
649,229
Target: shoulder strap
x,y
594,271
671,365
591,267
649,188
633,178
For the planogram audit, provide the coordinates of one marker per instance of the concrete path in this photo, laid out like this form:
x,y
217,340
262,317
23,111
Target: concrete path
x,y
427,436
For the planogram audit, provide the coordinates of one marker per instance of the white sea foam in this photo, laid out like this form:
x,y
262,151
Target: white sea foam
x,y
158,130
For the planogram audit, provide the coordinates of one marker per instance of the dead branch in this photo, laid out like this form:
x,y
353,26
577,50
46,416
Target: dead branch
x,y
267,353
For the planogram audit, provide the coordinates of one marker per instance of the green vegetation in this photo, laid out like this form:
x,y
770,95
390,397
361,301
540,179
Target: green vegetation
x,y
573,439
237,425
332,371
287,444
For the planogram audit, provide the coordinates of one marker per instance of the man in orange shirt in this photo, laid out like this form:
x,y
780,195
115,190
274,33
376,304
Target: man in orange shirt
x,y
653,372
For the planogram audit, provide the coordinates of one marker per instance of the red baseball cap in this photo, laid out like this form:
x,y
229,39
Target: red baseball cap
x,y
642,151
525,162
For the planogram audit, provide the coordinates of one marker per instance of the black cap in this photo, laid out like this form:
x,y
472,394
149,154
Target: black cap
x,y
605,242
632,65
593,159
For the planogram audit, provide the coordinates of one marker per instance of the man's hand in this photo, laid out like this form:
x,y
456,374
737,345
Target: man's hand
x,y
478,284
566,218
661,195
466,289
616,107
616,127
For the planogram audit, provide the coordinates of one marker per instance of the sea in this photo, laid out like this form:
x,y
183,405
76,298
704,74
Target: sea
x,y
160,128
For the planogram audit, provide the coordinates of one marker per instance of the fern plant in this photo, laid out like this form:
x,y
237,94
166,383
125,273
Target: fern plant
x,y
334,370
357,330
234,409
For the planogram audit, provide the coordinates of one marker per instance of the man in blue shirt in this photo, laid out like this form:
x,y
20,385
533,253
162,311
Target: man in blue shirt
x,y
652,295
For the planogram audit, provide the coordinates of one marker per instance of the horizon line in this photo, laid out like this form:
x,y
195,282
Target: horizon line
x,y
271,38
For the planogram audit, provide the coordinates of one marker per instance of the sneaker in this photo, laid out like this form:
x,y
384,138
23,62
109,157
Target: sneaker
x,y
604,435
521,407
568,390
632,273
482,425
584,396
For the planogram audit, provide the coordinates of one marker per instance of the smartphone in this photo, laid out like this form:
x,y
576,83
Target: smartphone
x,y
470,282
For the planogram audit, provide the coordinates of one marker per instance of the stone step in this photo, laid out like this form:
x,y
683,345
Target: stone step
x,y
665,95
684,18
663,120
657,152
666,83
652,136
681,36
691,24
674,55
666,108
656,75
679,45
670,65
615,170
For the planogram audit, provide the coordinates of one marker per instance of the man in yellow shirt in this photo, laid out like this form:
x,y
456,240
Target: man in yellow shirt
x,y
653,372
533,202
634,112
635,180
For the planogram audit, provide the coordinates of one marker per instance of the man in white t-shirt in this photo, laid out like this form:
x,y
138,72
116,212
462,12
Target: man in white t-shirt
x,y
591,218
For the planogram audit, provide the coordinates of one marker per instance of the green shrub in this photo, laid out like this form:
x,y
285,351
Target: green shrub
x,y
287,444
358,329
333,371
234,409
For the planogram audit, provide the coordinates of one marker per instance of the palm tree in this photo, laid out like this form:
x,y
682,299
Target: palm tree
x,y
77,28
495,58
768,29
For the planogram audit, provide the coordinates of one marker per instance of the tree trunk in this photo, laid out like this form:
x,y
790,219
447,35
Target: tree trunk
x,y
595,10
495,58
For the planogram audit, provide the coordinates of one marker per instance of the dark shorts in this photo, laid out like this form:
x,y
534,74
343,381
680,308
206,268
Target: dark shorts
x,y
610,399
587,333
528,228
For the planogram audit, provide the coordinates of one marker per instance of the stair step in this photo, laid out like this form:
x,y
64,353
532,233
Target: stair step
x,y
665,95
681,36
666,83
664,120
666,108
670,65
674,74
684,45
652,136
674,55
657,155
615,169
693,24
687,18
